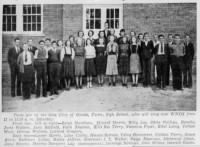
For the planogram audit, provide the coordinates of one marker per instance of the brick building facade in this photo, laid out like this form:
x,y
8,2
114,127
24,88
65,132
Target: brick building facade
x,y
61,20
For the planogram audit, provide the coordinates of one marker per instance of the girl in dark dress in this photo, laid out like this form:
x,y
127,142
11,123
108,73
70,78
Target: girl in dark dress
x,y
90,35
124,60
101,36
100,61
135,67
67,57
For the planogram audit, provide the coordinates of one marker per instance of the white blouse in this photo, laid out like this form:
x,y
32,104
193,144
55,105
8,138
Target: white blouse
x,y
68,51
90,52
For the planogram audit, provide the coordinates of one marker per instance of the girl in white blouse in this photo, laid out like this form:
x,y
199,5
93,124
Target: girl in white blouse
x,y
90,54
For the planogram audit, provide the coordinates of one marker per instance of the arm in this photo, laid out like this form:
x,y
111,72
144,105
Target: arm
x,y
62,54
192,50
73,54
9,55
36,54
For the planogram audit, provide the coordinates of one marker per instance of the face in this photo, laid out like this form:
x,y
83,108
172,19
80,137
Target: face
x,y
170,38
106,25
112,31
187,38
42,44
162,39
124,39
132,33
122,33
146,36
48,43
30,42
101,34
111,38
25,47
71,39
141,37
80,34
90,34
68,43
177,39
155,37
17,42
60,43
88,42
54,45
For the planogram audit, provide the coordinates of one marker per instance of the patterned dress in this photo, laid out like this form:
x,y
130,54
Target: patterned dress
x,y
100,59
123,59
79,60
135,66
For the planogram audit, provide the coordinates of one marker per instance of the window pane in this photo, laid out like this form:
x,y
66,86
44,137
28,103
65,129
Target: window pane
x,y
25,27
33,19
87,13
29,9
91,24
8,9
38,9
13,27
25,18
34,9
91,13
112,23
108,21
97,24
13,9
116,13
9,19
97,13
4,19
87,24
29,27
39,19
108,13
34,27
13,19
8,27
112,13
29,19
25,10
5,9
4,27
38,27
117,23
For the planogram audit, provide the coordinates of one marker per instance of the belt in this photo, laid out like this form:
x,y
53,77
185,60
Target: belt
x,y
100,54
111,53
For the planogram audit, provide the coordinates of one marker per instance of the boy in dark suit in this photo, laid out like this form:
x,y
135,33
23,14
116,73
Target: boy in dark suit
x,y
13,54
161,60
188,58
146,51
106,32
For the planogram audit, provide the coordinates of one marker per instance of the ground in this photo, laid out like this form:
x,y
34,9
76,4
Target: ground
x,y
107,99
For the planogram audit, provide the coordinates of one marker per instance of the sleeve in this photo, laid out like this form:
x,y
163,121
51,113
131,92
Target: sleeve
x,y
94,52
19,59
192,50
9,56
73,54
107,49
62,54
36,54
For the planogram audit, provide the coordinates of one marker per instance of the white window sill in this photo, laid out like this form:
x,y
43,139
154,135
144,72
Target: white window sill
x,y
24,33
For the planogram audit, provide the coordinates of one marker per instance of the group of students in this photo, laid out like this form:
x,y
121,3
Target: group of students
x,y
57,64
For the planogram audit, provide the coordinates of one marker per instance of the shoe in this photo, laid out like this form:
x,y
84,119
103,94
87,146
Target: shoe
x,y
51,93
109,84
114,84
81,87
13,95
37,96
77,87
56,92
88,85
44,95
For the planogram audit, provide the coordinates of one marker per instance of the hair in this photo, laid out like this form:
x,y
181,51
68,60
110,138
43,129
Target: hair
x,y
71,36
91,31
17,38
87,41
54,42
133,32
66,42
41,41
187,35
177,35
106,22
161,35
48,39
122,30
58,41
146,33
79,32
100,33
30,39
170,35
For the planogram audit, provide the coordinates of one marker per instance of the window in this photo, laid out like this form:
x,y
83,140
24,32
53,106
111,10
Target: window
x,y
112,17
31,18
93,18
9,18
26,18
95,15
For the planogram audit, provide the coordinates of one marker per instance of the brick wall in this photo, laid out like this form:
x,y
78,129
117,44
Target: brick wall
x,y
72,19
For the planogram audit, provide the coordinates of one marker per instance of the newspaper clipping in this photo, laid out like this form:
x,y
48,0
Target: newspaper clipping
x,y
99,73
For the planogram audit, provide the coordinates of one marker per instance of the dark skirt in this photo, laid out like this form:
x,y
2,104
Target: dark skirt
x,y
27,76
68,67
123,65
101,64
90,67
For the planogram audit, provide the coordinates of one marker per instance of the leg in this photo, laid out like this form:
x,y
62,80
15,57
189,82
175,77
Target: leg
x,y
81,81
148,72
110,80
13,79
39,78
19,90
190,75
114,80
159,74
144,73
77,81
136,79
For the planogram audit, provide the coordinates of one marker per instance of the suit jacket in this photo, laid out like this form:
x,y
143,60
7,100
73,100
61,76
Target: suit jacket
x,y
13,55
106,36
189,52
166,55
147,50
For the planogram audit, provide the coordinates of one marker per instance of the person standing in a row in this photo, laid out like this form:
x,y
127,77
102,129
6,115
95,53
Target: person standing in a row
x,y
25,62
13,54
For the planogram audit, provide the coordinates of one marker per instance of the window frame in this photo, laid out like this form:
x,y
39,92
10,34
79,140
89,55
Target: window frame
x,y
19,22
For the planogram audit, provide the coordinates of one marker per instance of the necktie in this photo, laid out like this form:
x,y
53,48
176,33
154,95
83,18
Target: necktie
x,y
183,51
161,48
26,57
